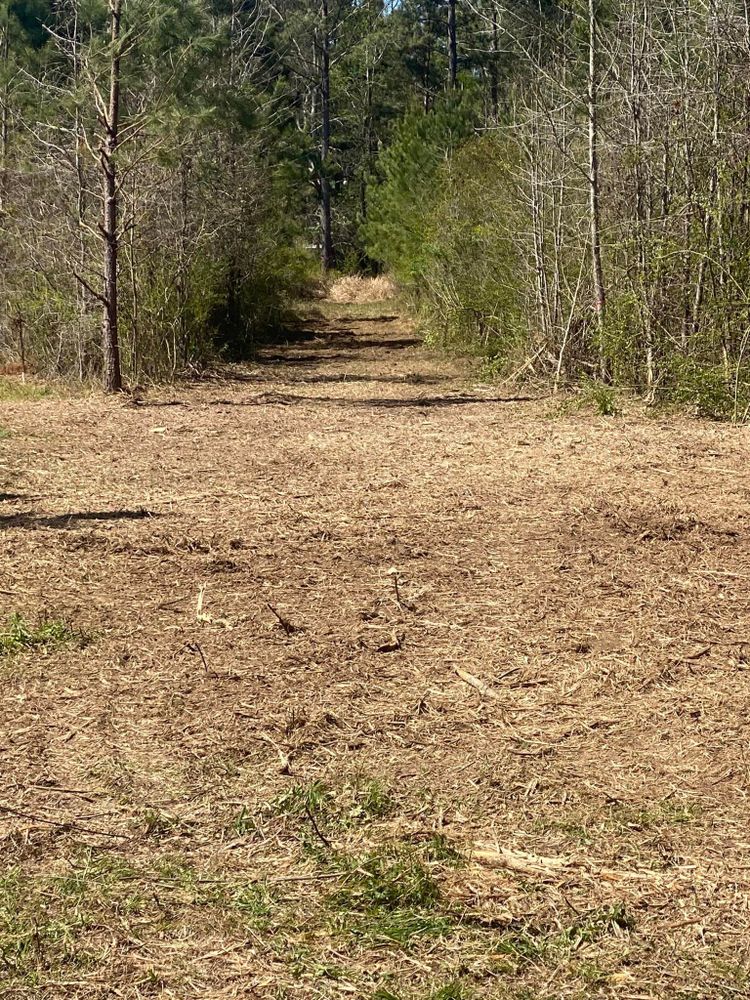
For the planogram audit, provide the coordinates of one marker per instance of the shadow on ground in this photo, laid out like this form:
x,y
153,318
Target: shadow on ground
x,y
374,402
29,520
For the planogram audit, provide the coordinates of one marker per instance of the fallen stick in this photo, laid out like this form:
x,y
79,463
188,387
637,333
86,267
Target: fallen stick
x,y
519,861
70,825
475,682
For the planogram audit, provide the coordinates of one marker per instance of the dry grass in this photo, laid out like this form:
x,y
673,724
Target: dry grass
x,y
356,289
393,688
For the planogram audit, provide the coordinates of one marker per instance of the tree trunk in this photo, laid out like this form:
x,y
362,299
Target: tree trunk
x,y
82,292
110,215
452,45
494,83
594,188
367,137
326,235
639,120
4,120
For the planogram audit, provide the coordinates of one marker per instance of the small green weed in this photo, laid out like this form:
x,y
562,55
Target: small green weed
x,y
371,800
341,808
19,635
536,946
301,799
390,878
596,924
451,991
439,848
174,868
387,894
158,823
602,397
243,823
254,903
624,816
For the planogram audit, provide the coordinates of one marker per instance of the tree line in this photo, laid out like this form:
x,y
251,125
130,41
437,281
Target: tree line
x,y
563,188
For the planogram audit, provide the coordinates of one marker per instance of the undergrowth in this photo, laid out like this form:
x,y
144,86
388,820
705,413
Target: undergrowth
x,y
12,391
19,635
354,802
63,921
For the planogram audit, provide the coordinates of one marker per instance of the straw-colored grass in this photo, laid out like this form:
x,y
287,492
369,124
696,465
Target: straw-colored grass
x,y
398,688
356,289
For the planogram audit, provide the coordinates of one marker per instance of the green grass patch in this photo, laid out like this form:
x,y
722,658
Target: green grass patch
x,y
440,849
534,946
64,922
334,809
388,878
669,812
398,927
316,797
12,390
386,895
255,903
622,818
243,825
19,635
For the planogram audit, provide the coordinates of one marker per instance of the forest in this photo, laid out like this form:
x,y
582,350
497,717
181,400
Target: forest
x,y
561,189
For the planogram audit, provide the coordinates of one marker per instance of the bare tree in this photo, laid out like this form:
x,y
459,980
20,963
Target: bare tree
x,y
110,214
326,233
452,45
595,184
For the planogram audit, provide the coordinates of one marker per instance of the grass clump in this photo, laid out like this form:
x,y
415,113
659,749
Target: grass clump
x,y
439,848
389,878
603,398
243,824
624,817
537,947
316,797
15,391
371,800
62,923
342,808
18,635
29,932
387,894
254,903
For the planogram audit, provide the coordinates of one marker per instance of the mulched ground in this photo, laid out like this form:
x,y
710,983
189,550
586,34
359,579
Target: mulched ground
x,y
344,610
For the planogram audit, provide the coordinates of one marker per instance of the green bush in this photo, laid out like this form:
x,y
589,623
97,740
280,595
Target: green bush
x,y
712,390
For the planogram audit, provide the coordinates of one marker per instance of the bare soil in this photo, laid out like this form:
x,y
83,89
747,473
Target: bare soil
x,y
379,683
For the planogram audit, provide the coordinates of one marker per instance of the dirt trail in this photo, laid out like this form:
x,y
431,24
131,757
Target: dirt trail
x,y
346,583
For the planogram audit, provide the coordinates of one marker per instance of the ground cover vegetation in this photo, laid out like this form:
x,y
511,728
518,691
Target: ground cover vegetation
x,y
364,677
